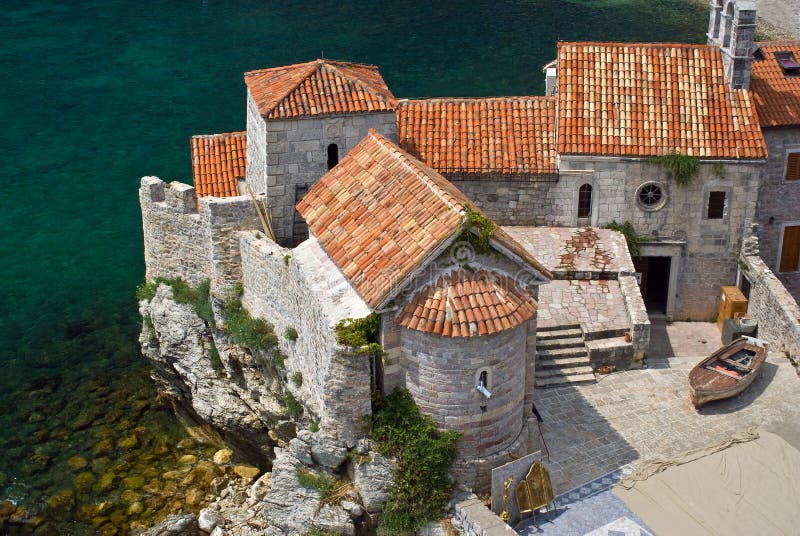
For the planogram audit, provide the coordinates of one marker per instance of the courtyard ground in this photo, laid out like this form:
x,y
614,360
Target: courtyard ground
x,y
792,284
633,416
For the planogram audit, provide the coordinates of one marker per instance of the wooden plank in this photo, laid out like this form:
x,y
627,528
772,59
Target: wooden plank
x,y
790,252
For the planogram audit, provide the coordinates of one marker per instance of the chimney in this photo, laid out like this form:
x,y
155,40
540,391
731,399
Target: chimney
x,y
733,32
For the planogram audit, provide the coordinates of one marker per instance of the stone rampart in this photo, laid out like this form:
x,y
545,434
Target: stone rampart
x,y
190,239
776,311
176,243
335,386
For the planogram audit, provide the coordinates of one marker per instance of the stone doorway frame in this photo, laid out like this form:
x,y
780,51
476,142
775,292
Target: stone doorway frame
x,y
674,250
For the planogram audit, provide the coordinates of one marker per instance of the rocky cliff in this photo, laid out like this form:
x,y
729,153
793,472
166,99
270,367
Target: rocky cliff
x,y
315,481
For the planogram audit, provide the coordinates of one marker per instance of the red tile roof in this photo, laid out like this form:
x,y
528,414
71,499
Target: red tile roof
x,y
509,135
381,214
776,96
218,162
319,87
468,303
652,99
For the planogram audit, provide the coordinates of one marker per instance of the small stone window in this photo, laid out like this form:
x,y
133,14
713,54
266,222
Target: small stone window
x,y
333,155
792,166
483,379
651,196
715,209
585,201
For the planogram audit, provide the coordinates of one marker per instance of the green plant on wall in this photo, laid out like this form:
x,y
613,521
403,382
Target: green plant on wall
x,y
476,222
633,239
681,167
360,335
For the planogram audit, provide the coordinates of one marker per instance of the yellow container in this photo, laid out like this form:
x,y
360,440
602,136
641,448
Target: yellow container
x,y
732,303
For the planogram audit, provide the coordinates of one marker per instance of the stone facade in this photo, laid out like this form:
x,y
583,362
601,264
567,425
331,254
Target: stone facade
x,y
708,248
285,157
779,199
732,27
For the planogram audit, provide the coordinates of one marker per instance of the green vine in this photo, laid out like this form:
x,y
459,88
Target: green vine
x,y
682,167
633,239
476,221
360,335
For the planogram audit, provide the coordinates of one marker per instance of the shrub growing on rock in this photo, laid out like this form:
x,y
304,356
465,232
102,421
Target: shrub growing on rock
x,y
243,329
424,454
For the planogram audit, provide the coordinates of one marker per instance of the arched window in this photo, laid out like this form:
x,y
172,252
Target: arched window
x,y
726,37
585,201
717,18
484,379
333,155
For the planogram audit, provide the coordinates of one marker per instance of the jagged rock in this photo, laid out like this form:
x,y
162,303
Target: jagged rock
x,y
247,472
261,487
209,519
333,518
327,452
217,532
288,507
372,480
174,525
240,402
364,445
301,450
354,509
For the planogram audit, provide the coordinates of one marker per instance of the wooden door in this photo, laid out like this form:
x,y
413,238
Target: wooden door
x,y
790,251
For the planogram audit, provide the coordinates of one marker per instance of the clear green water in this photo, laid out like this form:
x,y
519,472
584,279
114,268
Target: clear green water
x,y
96,94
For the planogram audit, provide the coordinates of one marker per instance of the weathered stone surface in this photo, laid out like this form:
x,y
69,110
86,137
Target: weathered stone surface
x,y
326,452
209,519
372,480
174,525
333,518
287,506
260,487
301,450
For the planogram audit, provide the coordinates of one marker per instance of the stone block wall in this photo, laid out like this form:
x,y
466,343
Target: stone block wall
x,y
441,374
336,386
510,200
295,156
176,243
777,312
711,246
778,198
191,240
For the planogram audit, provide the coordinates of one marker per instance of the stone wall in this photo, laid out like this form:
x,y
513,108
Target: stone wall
x,y
441,373
510,200
296,156
777,312
335,386
176,243
778,198
711,246
182,241
477,520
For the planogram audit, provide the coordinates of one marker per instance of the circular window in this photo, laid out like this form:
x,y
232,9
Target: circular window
x,y
651,196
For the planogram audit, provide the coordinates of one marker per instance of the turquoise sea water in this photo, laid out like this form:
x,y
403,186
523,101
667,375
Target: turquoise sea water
x,y
95,94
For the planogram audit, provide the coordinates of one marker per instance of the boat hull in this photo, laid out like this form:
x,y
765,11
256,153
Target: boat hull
x,y
717,377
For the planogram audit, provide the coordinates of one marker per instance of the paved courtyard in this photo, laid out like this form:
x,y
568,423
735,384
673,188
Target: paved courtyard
x,y
596,304
792,284
633,416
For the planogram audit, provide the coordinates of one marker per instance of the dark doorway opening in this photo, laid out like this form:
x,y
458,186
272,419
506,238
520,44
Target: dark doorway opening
x,y
655,282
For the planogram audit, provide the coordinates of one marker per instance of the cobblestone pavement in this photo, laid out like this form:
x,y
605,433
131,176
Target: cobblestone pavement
x,y
595,304
632,416
792,284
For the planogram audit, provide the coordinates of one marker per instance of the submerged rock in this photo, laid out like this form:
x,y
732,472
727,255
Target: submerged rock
x,y
222,457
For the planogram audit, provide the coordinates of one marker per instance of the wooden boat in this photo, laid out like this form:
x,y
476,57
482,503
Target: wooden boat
x,y
727,372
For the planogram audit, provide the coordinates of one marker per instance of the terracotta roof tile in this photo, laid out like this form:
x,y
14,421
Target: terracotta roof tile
x,y
218,162
319,87
467,303
652,99
381,214
776,95
510,135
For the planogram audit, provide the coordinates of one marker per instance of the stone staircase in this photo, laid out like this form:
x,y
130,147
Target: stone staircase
x,y
562,357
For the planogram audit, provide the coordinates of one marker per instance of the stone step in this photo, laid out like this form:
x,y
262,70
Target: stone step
x,y
555,353
555,381
568,342
559,333
605,334
565,362
568,371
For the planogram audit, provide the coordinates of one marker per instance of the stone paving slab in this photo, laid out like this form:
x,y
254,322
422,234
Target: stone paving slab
x,y
632,416
596,305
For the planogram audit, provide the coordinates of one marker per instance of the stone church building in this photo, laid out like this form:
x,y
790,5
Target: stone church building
x,y
371,197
